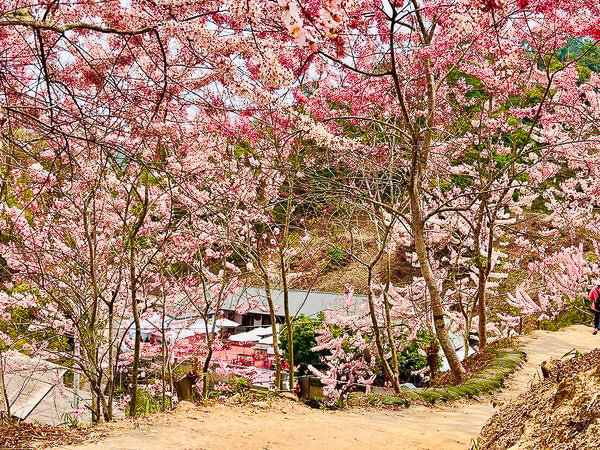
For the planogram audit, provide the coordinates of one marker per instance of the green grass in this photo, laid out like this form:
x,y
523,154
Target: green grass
x,y
489,379
578,313
146,404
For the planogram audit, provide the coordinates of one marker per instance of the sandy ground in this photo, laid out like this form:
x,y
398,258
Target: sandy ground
x,y
290,425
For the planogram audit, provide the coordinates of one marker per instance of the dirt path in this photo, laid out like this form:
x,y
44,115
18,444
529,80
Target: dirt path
x,y
289,425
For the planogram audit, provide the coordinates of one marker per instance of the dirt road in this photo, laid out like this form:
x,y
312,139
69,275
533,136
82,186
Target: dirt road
x,y
288,425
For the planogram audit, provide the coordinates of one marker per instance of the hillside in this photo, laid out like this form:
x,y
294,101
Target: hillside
x,y
562,412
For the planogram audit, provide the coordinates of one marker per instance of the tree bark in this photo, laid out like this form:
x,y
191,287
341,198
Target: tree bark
x,y
378,341
432,360
278,380
481,309
437,309
388,321
110,382
138,336
134,302
391,340
163,354
4,402
205,368
421,146
288,322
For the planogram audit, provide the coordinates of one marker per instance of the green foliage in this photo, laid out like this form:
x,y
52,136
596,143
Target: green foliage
x,y
573,353
477,87
461,180
386,400
182,369
489,379
69,420
578,313
146,404
591,257
445,186
539,205
337,256
588,53
413,357
305,338
219,385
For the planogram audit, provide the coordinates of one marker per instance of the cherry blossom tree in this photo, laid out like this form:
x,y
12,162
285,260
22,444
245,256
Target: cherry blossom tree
x,y
397,64
160,93
65,244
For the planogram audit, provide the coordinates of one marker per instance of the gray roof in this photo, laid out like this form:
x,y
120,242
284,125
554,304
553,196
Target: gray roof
x,y
34,388
308,303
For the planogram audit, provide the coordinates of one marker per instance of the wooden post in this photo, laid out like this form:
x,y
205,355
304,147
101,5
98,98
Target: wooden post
x,y
520,324
185,387
304,388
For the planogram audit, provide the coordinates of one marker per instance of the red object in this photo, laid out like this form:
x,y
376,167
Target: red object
x,y
594,296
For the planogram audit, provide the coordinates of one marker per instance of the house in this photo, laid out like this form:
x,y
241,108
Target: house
x,y
249,307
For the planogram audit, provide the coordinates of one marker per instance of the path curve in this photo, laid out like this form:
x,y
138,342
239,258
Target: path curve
x,y
295,427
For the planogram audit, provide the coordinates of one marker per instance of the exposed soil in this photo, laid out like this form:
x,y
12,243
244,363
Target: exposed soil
x,y
561,412
284,424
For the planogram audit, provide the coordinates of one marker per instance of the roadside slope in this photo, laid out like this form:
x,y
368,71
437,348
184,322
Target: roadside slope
x,y
294,426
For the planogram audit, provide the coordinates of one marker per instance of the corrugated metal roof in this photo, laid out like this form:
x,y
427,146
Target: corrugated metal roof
x,y
34,388
308,303
27,381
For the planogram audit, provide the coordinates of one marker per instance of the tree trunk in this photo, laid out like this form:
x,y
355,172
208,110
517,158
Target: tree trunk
x,y
162,376
288,322
163,353
278,380
110,382
134,302
432,360
421,146
483,271
378,341
206,365
138,335
290,339
481,308
390,336
4,401
437,309
98,403
171,381
466,337
388,321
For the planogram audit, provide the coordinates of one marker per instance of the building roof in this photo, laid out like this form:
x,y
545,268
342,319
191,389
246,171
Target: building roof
x,y
34,388
308,303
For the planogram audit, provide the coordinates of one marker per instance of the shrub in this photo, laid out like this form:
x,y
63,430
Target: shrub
x,y
305,338
337,255
146,404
